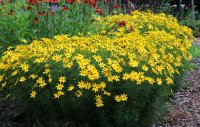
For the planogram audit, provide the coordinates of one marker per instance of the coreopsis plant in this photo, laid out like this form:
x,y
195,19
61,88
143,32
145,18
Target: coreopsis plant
x,y
121,74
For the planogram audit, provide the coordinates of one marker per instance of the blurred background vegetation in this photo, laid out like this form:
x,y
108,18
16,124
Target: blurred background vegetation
x,y
181,9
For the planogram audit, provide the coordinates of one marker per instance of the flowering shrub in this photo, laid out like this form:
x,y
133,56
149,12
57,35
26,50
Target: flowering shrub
x,y
133,60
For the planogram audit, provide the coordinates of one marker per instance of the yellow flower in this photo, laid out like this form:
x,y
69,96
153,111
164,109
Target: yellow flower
x,y
169,80
43,84
33,94
81,85
102,85
95,87
23,40
39,80
99,104
46,71
97,58
14,73
121,97
39,60
126,76
124,97
3,84
56,58
33,76
1,78
145,68
159,81
62,79
24,67
58,94
106,93
50,79
150,80
59,86
78,93
83,72
87,86
22,79
98,97
99,101
117,98
102,65
133,63
70,88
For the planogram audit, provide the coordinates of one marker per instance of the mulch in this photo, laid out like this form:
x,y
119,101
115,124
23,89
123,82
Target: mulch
x,y
197,41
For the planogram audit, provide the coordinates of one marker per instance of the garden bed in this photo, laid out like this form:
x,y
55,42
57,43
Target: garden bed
x,y
109,70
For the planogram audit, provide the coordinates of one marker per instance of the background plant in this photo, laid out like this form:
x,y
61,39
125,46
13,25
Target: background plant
x,y
22,22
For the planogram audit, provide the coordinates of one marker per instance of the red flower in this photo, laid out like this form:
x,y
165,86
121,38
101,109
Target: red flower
x,y
64,8
93,2
29,7
39,13
42,13
70,1
36,20
78,1
106,1
32,2
55,1
97,10
11,12
116,6
86,1
1,2
122,24
51,13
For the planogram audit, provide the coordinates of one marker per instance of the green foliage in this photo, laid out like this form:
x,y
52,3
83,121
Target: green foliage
x,y
13,28
139,110
19,26
195,51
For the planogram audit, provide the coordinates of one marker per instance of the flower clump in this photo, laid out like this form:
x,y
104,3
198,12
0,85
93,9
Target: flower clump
x,y
136,49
